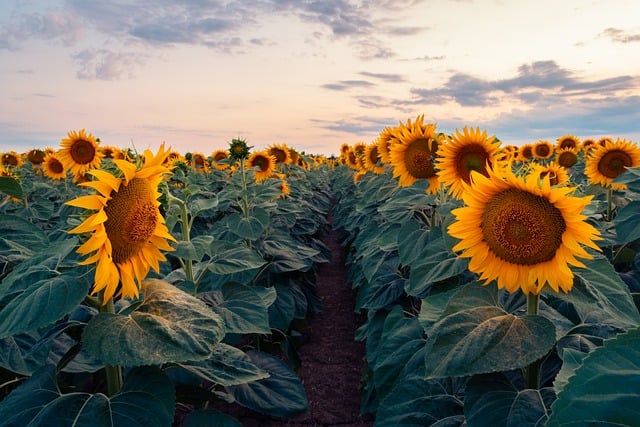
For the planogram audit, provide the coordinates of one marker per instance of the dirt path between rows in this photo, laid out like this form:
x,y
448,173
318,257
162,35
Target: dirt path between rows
x,y
332,361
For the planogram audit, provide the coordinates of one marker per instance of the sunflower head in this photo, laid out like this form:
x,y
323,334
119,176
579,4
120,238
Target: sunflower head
x,y
568,141
542,150
36,156
588,144
53,167
79,152
264,163
371,159
556,174
238,149
127,232
525,153
413,156
466,151
384,141
11,159
567,157
610,160
280,153
522,232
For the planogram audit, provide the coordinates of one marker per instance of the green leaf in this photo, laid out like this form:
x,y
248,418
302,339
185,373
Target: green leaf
x,y
605,390
42,303
201,204
492,401
283,310
169,326
193,250
19,237
227,366
486,339
244,310
250,228
229,258
571,360
146,399
627,224
281,395
10,186
210,417
602,295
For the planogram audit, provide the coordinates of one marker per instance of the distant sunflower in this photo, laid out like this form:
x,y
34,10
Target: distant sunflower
x,y
608,161
79,152
385,139
351,159
295,156
603,140
508,153
525,153
53,167
553,171
11,159
36,156
588,144
568,141
238,149
371,159
127,231
567,157
542,150
471,150
218,156
522,232
280,152
265,164
412,157
199,162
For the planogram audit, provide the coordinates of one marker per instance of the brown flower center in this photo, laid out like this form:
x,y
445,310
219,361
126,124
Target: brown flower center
x,y
542,150
9,159
260,161
55,166
566,159
132,216
418,159
471,157
82,152
522,228
279,154
613,163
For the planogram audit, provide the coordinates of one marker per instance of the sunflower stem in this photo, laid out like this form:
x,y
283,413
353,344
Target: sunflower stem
x,y
112,372
609,204
186,236
532,372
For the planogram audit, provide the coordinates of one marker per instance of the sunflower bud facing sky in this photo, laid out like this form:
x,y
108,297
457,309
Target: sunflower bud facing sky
x,y
522,232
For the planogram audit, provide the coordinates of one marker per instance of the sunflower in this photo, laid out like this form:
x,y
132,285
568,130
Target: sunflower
x,y
199,162
525,153
542,150
218,156
588,144
238,149
280,152
522,232
351,159
412,157
36,156
359,175
79,152
265,164
371,159
471,150
608,161
53,167
127,231
568,141
556,173
385,139
508,153
567,157
11,159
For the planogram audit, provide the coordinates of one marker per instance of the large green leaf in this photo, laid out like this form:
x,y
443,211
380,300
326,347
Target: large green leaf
x,y
626,222
283,310
281,395
602,295
605,389
245,309
146,399
227,366
19,238
486,339
230,257
10,186
169,326
42,303
194,249
250,227
492,401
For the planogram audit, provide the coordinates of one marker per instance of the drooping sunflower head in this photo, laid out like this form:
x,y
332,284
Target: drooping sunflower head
x,y
542,150
36,156
264,163
521,232
11,159
127,232
53,167
238,149
79,152
280,153
567,157
344,148
466,151
412,157
568,141
609,161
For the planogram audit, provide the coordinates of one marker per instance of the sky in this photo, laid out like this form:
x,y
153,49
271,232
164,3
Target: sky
x,y
314,74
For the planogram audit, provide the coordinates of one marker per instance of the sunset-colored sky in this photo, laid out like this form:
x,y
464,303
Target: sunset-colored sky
x,y
314,74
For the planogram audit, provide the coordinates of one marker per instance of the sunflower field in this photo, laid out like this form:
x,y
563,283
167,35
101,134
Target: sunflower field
x,y
499,284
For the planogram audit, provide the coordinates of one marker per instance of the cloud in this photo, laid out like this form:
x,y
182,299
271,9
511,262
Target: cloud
x,y
52,25
347,84
391,78
361,127
620,36
104,64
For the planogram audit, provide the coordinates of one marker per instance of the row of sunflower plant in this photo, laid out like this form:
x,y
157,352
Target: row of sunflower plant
x,y
156,288
499,283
